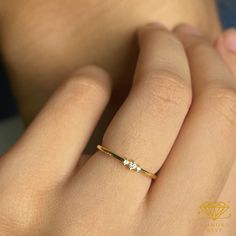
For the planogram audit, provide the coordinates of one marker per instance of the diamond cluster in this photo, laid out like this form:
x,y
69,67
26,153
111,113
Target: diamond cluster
x,y
132,165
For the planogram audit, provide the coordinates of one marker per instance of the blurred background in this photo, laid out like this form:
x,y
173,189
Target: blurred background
x,y
10,124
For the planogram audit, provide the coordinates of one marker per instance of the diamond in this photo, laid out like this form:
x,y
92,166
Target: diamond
x,y
138,169
126,162
132,165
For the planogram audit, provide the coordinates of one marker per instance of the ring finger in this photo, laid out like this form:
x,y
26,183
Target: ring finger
x,y
146,126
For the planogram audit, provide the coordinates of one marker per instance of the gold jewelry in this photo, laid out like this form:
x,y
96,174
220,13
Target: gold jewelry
x,y
132,165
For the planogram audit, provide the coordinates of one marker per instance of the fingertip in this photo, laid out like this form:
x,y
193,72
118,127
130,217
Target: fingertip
x,y
226,46
185,29
190,35
96,81
227,41
96,74
152,26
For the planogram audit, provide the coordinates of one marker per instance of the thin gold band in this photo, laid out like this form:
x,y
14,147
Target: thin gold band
x,y
130,164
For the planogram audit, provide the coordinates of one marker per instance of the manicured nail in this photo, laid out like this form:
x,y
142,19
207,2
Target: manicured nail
x,y
188,29
230,40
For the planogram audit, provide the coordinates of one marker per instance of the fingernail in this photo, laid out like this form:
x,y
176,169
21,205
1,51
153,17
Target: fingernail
x,y
188,29
230,40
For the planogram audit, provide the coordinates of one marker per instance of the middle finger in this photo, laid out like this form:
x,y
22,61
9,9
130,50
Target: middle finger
x,y
202,156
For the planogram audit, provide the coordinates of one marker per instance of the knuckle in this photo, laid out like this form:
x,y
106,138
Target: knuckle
x,y
223,100
19,212
82,84
82,91
11,224
169,88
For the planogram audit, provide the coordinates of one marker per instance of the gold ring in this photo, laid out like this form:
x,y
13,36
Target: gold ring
x,y
132,165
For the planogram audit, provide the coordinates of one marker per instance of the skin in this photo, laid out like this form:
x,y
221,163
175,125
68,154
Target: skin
x,y
173,97
43,42
228,193
41,52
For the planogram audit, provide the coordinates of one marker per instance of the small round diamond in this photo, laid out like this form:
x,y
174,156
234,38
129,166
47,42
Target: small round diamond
x,y
132,165
126,162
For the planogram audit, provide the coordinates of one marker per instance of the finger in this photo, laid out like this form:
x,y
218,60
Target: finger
x,y
201,158
50,148
226,45
148,122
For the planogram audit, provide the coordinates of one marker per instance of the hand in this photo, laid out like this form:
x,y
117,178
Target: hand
x,y
188,138
226,46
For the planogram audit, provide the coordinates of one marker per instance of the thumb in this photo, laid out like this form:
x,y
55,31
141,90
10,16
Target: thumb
x,y
226,45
